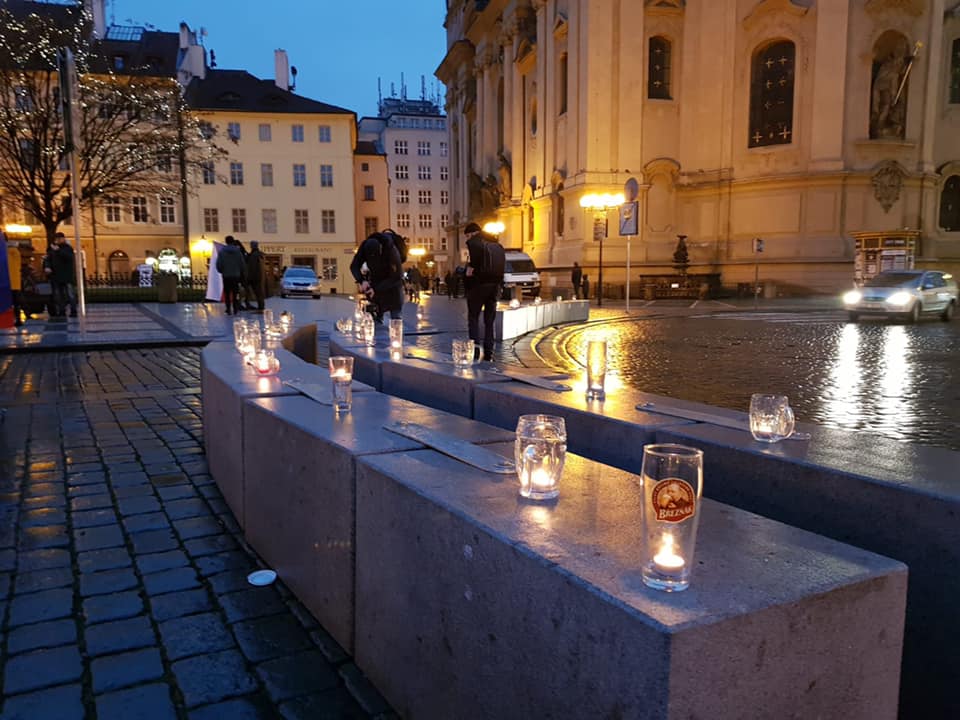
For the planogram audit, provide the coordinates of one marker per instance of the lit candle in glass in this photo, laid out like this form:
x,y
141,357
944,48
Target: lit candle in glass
x,y
396,334
286,320
266,363
559,298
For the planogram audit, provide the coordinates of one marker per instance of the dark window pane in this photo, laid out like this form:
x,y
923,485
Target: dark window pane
x,y
658,69
950,204
771,95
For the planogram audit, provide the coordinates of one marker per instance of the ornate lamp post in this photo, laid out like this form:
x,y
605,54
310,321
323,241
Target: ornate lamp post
x,y
600,204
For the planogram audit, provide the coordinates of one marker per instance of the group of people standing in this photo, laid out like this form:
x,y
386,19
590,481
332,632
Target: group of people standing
x,y
59,267
244,274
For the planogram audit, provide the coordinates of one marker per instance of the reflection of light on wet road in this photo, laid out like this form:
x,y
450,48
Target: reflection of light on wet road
x,y
896,399
840,400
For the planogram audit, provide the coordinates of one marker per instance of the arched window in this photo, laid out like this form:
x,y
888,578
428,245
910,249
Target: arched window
x,y
888,86
950,204
955,73
658,69
771,95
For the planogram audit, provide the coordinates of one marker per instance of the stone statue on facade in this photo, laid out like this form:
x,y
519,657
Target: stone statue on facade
x,y
475,193
887,110
506,178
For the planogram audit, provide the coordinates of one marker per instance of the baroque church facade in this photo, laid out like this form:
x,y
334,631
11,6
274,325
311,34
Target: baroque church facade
x,y
829,129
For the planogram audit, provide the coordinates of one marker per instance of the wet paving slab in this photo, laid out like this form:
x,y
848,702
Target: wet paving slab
x,y
123,587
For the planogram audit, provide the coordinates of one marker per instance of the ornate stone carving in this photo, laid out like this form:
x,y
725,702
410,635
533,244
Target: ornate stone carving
x,y
667,4
505,172
797,8
887,183
911,7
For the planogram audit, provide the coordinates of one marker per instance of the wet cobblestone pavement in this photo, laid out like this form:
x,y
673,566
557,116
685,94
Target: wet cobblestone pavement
x,y
123,589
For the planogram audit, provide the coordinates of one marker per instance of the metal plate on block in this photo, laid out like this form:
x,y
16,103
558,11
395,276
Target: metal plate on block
x,y
535,380
319,392
454,447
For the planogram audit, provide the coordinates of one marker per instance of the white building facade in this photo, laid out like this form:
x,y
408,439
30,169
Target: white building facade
x,y
288,181
413,135
828,129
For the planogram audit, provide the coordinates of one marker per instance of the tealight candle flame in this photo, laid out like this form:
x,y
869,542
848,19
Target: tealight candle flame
x,y
540,478
667,559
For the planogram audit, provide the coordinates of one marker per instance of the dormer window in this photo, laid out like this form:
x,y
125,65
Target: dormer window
x,y
119,62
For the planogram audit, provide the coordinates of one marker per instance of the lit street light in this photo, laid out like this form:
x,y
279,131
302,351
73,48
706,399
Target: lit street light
x,y
600,204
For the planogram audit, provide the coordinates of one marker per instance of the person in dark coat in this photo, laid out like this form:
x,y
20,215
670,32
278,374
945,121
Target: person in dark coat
x,y
576,277
257,274
483,288
231,266
384,282
244,293
63,276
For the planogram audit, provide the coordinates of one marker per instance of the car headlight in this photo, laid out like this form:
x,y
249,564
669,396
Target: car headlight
x,y
899,298
852,297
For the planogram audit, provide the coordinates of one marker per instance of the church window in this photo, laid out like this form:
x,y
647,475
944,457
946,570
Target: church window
x,y
771,95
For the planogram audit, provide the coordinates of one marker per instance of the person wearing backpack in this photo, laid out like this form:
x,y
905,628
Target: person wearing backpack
x,y
384,254
484,276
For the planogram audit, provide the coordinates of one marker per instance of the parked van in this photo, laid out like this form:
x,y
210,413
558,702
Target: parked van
x,y
521,273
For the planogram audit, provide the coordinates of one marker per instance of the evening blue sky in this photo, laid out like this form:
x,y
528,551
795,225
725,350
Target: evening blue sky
x,y
339,47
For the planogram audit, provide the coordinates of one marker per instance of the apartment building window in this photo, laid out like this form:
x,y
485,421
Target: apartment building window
x,y
236,173
209,174
328,221
329,269
425,197
399,147
269,220
211,220
299,175
444,149
326,176
368,193
138,207
324,133
443,242
444,173
403,220
444,197
168,211
296,133
266,134
364,167
239,216
426,221
266,174
112,207
370,225
301,221
424,172
444,220
423,148
164,162
233,131
403,197
402,172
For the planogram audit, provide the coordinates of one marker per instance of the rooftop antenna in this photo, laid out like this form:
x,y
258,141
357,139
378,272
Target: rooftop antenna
x,y
379,96
393,91
293,75
423,87
403,88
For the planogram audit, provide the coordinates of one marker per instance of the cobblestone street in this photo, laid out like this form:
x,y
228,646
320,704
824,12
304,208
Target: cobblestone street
x,y
123,590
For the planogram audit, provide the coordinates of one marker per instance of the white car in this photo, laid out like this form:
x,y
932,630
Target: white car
x,y
520,272
906,294
300,281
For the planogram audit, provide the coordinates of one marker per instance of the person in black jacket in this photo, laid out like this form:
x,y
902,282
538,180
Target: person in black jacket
x,y
63,276
383,285
484,276
256,274
231,266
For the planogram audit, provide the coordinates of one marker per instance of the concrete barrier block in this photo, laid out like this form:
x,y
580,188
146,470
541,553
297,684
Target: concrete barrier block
x,y
613,431
302,342
299,490
474,604
225,383
439,385
899,500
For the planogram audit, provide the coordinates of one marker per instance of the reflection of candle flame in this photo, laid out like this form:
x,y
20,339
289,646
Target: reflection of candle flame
x,y
340,374
541,478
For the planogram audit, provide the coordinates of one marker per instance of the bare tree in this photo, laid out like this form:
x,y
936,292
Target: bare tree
x,y
136,135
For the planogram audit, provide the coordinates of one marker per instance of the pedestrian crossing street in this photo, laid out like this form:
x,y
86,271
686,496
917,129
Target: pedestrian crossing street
x,y
815,317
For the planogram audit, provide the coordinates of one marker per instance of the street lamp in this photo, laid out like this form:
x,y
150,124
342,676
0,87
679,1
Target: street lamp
x,y
494,228
600,204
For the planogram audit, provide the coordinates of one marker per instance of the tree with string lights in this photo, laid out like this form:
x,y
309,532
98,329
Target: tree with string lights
x,y
135,134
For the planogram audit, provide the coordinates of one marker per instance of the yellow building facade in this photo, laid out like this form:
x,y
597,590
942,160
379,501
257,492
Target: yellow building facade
x,y
821,127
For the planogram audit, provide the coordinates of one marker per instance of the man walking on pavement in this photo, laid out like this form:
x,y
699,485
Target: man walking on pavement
x,y
484,276
576,277
63,276
256,275
231,265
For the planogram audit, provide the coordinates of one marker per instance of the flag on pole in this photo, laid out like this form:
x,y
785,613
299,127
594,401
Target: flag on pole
x,y
214,278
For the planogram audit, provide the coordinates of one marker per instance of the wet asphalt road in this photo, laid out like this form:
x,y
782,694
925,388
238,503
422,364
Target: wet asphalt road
x,y
899,381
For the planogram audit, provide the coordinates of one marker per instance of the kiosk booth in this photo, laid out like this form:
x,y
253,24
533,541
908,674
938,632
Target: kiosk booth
x,y
875,252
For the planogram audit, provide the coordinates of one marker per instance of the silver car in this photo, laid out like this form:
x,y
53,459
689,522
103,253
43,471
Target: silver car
x,y
300,281
906,294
